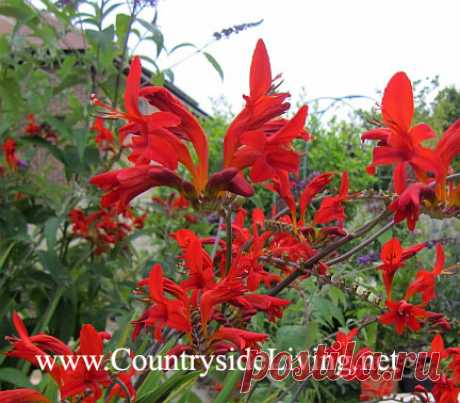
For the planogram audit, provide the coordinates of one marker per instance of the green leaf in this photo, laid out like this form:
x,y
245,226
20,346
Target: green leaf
x,y
11,93
182,45
122,25
385,237
214,64
150,60
161,393
51,264
337,296
4,257
50,231
19,13
158,79
151,382
189,397
313,333
229,385
157,36
104,38
337,313
110,9
54,151
4,46
291,336
91,21
15,377
48,387
69,81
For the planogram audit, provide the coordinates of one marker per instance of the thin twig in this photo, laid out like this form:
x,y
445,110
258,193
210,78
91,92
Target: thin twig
x,y
362,245
325,252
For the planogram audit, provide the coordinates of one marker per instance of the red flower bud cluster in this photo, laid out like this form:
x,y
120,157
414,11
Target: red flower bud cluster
x,y
105,227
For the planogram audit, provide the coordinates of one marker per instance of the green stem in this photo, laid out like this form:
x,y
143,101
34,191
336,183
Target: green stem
x,y
230,381
41,326
300,269
228,228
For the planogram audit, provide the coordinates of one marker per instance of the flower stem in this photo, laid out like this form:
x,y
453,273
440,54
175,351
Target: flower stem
x,y
325,252
362,245
228,229
230,382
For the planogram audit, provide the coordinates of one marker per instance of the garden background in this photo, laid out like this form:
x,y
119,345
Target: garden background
x,y
52,59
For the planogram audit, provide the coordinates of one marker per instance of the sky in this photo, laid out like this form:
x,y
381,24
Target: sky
x,y
322,48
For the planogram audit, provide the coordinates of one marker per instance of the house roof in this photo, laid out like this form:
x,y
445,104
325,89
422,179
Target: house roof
x,y
73,40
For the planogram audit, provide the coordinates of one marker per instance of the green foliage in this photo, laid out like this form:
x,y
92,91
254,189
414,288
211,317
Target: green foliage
x,y
336,147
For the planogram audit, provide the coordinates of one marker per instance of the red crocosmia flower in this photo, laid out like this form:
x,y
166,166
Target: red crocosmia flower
x,y
399,143
229,288
188,129
289,247
227,338
283,186
28,347
258,217
438,320
162,135
80,222
339,348
231,180
43,130
273,306
371,390
249,262
454,365
206,292
437,346
124,184
275,125
262,105
9,152
176,313
253,246
445,390
393,257
197,261
32,128
173,313
257,139
79,381
425,281
316,185
331,208
118,391
83,380
401,314
22,395
267,156
104,227
256,273
446,150
407,205
345,338
161,140
104,138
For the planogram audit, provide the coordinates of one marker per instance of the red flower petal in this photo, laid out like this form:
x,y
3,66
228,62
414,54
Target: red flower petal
x,y
398,103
